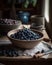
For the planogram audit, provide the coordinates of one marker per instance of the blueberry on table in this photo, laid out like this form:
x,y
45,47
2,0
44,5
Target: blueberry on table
x,y
42,51
37,52
9,53
4,52
15,53
1,53
12,53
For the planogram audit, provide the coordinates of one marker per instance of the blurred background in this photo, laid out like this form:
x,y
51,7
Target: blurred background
x,y
27,11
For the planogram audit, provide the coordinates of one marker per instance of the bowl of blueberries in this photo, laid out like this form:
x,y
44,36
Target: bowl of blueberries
x,y
25,38
8,24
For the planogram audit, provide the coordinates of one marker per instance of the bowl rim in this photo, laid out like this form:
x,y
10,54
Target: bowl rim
x,y
25,40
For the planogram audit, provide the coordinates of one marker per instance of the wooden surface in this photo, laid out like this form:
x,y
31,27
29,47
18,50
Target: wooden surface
x,y
27,62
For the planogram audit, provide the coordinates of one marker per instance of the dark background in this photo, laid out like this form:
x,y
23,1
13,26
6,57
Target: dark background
x,y
6,8
9,11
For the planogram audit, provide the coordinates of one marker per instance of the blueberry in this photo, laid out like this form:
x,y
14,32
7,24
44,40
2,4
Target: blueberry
x,y
13,36
4,51
15,53
31,38
16,35
22,38
8,53
36,37
1,53
12,53
42,51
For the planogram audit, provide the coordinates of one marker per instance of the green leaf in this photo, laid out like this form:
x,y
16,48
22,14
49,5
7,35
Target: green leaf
x,y
26,4
34,2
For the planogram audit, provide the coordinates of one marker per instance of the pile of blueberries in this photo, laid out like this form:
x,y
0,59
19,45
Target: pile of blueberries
x,y
26,34
14,52
8,21
9,52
